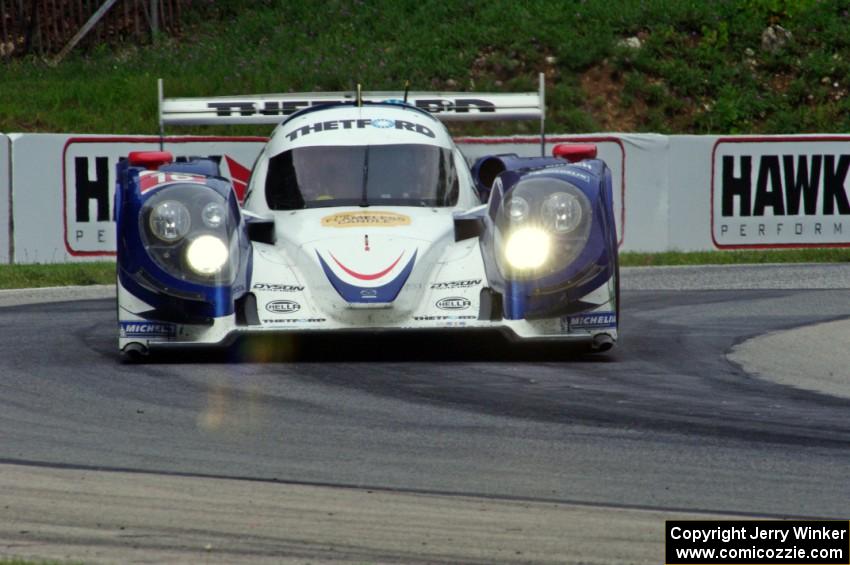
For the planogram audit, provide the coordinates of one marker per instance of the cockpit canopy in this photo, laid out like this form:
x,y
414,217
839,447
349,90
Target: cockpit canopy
x,y
407,174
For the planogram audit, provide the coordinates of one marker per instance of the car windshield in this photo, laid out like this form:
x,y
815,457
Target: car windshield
x,y
363,175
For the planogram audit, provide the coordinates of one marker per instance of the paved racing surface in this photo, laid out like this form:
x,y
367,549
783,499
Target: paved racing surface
x,y
664,423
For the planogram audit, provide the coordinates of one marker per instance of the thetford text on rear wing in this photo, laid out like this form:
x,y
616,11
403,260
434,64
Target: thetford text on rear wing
x,y
273,108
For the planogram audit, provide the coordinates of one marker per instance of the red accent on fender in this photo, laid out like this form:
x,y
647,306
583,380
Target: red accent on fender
x,y
574,152
151,160
240,176
152,179
363,277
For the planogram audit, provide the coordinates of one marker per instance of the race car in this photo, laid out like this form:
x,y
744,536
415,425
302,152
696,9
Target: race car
x,y
361,213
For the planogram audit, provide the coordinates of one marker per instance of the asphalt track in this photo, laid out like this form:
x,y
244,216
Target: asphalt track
x,y
664,424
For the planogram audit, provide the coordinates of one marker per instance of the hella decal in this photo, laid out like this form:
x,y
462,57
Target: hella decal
x,y
381,123
453,303
278,287
283,306
147,329
360,219
593,321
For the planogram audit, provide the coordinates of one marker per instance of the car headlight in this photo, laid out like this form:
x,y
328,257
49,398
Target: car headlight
x,y
528,248
213,215
561,212
170,221
189,232
207,255
517,208
544,224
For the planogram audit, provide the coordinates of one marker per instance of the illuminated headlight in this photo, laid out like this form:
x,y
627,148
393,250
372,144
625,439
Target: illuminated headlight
x,y
170,221
527,248
561,212
206,255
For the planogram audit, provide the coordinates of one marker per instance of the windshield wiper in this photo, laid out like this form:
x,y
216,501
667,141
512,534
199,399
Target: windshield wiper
x,y
364,199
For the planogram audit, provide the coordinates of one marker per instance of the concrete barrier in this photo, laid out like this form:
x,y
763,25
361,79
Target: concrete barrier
x,y
5,201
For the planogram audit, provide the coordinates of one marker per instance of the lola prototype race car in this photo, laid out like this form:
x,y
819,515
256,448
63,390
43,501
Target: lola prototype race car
x,y
362,214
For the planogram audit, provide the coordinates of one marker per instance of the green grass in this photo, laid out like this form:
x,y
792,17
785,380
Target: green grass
x,y
31,276
633,259
701,67
16,561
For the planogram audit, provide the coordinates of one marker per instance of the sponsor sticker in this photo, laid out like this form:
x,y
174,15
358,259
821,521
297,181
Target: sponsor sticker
x,y
596,320
456,284
360,219
780,192
563,170
442,318
147,329
283,307
453,303
575,174
381,123
272,287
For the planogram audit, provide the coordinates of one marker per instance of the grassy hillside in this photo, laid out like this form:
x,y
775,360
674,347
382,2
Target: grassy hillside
x,y
700,67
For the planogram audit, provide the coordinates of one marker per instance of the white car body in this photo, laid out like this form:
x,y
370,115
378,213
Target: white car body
x,y
368,268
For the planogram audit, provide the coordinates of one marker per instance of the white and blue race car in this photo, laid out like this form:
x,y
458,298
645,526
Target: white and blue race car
x,y
364,215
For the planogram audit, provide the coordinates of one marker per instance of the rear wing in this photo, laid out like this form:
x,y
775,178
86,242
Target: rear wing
x,y
274,108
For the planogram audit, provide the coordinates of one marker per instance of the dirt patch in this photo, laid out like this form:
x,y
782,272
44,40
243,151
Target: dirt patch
x,y
602,86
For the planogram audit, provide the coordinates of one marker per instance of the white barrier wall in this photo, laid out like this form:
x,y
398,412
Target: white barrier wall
x,y
688,166
684,193
5,196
